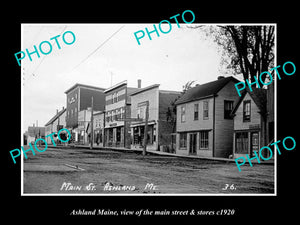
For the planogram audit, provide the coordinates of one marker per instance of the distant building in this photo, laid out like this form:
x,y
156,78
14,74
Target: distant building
x,y
79,98
250,124
204,125
159,127
56,123
35,133
98,128
117,110
84,119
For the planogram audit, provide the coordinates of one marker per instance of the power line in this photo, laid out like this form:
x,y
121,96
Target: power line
x,y
65,27
98,47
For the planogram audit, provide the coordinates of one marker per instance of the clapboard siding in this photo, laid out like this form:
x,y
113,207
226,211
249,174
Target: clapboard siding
x,y
194,125
224,127
255,119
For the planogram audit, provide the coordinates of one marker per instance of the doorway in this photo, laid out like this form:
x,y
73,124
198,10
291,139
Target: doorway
x,y
193,143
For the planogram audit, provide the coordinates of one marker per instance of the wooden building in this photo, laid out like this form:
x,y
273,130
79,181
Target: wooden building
x,y
204,126
117,108
250,126
159,127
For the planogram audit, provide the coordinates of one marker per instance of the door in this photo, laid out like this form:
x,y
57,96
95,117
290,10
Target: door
x,y
193,142
254,143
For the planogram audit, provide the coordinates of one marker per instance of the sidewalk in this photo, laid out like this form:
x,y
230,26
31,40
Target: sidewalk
x,y
271,161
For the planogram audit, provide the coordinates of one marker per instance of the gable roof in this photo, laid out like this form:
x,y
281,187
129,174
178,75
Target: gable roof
x,y
56,116
258,95
204,90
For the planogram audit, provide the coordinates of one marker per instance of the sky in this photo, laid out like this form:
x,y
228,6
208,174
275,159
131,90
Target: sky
x,y
106,54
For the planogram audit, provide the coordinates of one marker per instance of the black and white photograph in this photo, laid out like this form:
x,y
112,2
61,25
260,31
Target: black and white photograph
x,y
144,109
147,113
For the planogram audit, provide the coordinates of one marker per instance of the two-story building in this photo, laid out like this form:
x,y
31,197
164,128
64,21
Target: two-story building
x,y
250,127
159,128
56,123
117,113
79,98
204,124
98,128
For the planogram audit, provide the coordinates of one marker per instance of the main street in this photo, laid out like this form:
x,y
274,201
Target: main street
x,y
99,171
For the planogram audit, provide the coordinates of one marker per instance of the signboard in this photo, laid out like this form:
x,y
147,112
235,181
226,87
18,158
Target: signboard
x,y
131,119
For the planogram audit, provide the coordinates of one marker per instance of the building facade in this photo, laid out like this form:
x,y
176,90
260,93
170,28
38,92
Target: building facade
x,y
159,128
79,98
117,110
250,123
56,123
204,125
98,128
34,133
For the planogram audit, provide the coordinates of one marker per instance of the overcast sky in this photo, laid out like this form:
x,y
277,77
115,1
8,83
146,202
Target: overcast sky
x,y
171,60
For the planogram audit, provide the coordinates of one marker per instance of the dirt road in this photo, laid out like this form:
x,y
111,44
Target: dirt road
x,y
69,171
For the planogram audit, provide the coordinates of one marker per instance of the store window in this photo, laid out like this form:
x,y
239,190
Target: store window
x,y
203,142
241,139
182,140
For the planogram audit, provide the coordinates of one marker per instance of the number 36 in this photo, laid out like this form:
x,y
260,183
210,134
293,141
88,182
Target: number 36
x,y
231,187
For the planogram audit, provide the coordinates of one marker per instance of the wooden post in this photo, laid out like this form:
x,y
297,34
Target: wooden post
x,y
92,124
146,128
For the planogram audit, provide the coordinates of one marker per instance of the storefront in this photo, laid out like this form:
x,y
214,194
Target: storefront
x,y
115,136
138,134
246,142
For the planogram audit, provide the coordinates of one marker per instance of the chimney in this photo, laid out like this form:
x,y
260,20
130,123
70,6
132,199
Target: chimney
x,y
139,83
220,77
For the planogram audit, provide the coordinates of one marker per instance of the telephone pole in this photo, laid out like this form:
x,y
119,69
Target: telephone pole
x,y
92,124
146,128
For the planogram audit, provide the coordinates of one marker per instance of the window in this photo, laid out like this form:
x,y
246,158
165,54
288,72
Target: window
x,y
241,139
112,115
122,113
228,106
196,111
182,140
203,144
141,112
182,114
117,114
107,116
205,110
112,98
117,96
247,111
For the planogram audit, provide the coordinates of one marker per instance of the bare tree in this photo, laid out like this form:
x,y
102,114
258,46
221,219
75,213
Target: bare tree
x,y
171,111
250,48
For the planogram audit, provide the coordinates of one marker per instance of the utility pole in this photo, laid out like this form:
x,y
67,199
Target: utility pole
x,y
92,124
146,128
